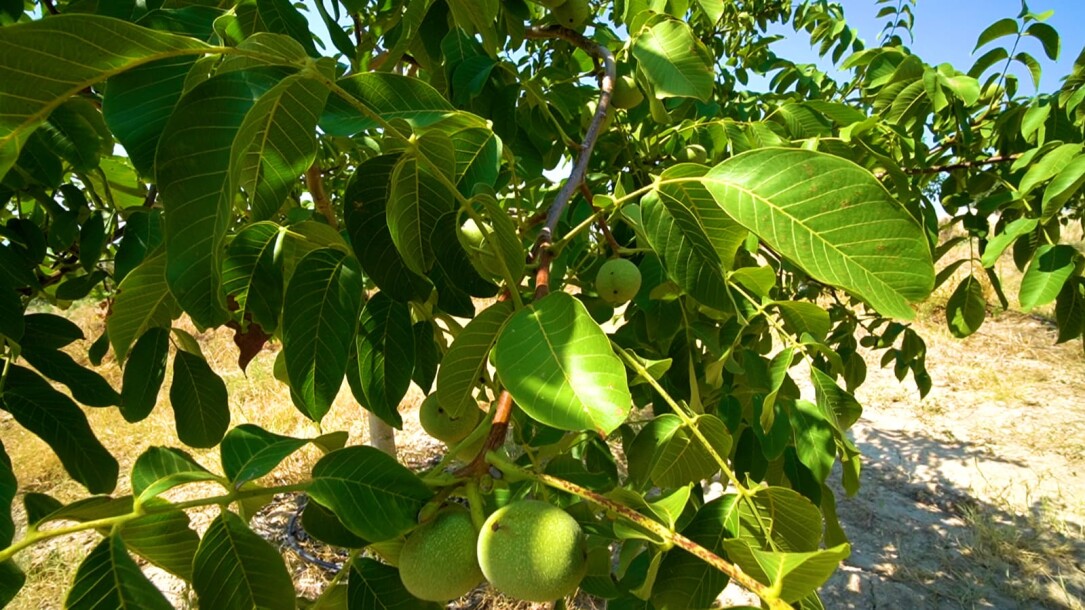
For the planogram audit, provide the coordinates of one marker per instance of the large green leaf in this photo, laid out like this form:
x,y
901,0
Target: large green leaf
x,y
685,581
676,63
142,235
794,575
694,238
416,201
390,96
966,308
8,487
276,143
463,367
144,301
373,495
1046,274
192,173
373,585
559,366
45,62
137,103
253,274
199,399
75,132
162,468
59,422
385,356
364,211
833,219
281,17
11,581
249,452
86,386
677,456
109,579
163,538
144,373
236,569
320,315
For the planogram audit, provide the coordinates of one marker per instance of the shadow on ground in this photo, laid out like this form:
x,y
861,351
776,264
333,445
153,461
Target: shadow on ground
x,y
920,542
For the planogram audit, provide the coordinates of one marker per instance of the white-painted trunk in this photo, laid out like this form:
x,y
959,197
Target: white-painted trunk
x,y
381,435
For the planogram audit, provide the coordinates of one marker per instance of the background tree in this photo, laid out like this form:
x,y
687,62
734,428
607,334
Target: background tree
x,y
356,203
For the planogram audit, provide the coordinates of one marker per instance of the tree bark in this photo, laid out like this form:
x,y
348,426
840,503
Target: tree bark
x,y
381,435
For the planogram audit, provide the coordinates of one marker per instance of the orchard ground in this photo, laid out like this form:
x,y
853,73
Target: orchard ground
x,y
972,498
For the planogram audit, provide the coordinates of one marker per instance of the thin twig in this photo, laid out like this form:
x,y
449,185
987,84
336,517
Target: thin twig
x,y
599,220
315,180
937,169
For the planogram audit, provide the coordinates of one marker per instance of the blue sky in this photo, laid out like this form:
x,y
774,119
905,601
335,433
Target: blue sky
x,y
946,32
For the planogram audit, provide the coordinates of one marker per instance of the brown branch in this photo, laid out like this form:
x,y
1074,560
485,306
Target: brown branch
x,y
937,169
541,251
315,180
49,6
499,427
152,196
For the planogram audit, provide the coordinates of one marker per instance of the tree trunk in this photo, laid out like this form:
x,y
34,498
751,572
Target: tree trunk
x,y
381,435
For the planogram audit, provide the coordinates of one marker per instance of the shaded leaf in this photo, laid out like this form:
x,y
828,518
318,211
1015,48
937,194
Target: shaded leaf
x,y
108,578
59,422
192,174
250,452
966,308
235,568
320,316
376,586
373,495
199,399
276,142
385,356
365,215
464,366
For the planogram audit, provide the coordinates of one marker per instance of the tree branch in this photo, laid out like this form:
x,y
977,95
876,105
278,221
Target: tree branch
x,y
315,180
541,252
937,169
49,6
580,168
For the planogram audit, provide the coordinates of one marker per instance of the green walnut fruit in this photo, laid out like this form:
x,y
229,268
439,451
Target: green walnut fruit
x,y
573,14
626,94
478,248
441,425
549,3
694,153
438,561
618,281
533,551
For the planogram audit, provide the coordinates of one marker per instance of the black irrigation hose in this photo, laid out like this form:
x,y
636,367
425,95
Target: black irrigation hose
x,y
294,528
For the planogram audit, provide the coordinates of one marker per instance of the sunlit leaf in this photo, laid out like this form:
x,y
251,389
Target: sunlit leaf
x,y
559,366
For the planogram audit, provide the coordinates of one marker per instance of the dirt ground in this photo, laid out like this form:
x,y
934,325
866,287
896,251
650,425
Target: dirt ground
x,y
971,498
975,496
